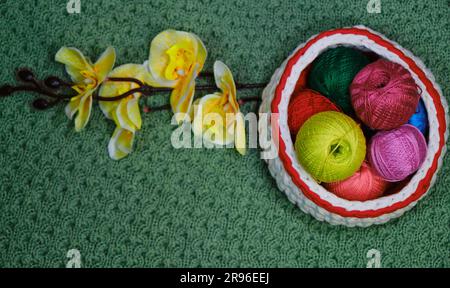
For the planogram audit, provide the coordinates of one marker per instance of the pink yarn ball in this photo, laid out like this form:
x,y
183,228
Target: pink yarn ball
x,y
397,153
384,95
364,185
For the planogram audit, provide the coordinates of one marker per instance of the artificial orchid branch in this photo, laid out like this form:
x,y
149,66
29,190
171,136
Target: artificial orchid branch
x,y
52,85
185,57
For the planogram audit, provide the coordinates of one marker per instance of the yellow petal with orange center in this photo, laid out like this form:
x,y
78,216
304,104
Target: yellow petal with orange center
x,y
210,120
75,62
180,60
105,64
173,55
125,141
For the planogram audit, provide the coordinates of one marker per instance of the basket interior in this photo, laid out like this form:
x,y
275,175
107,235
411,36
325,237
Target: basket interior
x,y
401,190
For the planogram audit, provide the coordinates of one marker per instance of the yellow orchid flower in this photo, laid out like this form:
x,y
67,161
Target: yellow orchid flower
x,y
176,59
125,112
217,117
86,77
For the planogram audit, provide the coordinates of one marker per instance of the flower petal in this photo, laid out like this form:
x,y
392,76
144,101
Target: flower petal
x,y
240,137
111,89
182,96
125,141
202,53
134,113
123,121
73,106
120,144
207,110
75,62
159,60
225,82
105,64
201,107
108,107
148,77
84,111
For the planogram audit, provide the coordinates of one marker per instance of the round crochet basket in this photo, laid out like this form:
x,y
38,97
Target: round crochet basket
x,y
297,184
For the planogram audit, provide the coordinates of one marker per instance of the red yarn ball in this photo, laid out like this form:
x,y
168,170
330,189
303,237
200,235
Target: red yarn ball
x,y
384,95
303,79
364,185
305,104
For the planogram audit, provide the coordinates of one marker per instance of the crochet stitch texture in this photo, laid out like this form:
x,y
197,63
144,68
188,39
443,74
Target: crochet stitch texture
x,y
162,207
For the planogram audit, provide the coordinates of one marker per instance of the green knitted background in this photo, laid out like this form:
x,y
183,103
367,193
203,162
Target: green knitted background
x,y
162,207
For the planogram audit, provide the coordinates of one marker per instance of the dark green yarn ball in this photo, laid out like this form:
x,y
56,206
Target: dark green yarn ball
x,y
333,72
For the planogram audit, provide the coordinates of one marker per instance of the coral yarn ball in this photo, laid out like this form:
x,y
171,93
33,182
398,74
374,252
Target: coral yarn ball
x,y
397,153
333,72
384,95
330,146
364,185
305,104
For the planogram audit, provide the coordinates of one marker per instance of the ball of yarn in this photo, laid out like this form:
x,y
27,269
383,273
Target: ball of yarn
x,y
364,185
384,95
305,104
330,146
420,118
302,81
397,153
333,71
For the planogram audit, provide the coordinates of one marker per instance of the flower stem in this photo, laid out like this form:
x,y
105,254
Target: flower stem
x,y
242,101
206,74
51,87
146,90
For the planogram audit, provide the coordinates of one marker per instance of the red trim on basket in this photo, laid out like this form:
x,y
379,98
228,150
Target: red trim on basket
x,y
287,163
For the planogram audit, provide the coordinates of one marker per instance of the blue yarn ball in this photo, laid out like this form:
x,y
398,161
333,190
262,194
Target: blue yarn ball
x,y
420,118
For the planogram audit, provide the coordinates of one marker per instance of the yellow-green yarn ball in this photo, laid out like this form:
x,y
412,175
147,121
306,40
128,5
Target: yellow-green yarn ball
x,y
330,146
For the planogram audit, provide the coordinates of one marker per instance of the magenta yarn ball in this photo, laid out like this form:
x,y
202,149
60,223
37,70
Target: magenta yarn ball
x,y
397,153
384,95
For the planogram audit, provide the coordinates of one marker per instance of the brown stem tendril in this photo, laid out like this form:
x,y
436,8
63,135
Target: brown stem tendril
x,y
242,101
52,85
